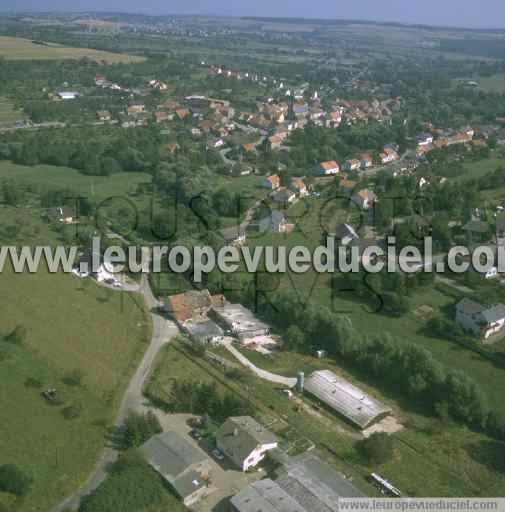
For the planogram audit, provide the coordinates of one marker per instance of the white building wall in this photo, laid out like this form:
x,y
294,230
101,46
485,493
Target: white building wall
x,y
257,456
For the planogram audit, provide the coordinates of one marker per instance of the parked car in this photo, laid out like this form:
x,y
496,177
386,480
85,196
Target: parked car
x,y
218,454
196,434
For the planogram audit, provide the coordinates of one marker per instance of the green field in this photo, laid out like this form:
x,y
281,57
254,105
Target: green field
x,y
15,48
495,83
8,112
44,177
482,167
72,326
451,460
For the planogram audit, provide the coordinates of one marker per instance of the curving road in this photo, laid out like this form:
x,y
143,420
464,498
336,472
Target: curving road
x,y
262,374
163,331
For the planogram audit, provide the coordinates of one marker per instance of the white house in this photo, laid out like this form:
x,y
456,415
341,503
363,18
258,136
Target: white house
x,y
424,139
243,440
284,196
482,321
366,161
328,168
351,165
364,199
298,186
388,155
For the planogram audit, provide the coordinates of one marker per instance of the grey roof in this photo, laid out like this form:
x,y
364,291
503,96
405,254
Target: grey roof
x,y
232,233
239,436
344,231
283,195
477,226
271,221
470,307
494,314
174,457
204,329
346,399
265,496
189,482
314,484
240,319
500,223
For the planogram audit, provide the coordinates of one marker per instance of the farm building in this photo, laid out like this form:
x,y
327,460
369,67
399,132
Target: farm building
x,y
303,484
314,484
190,305
240,321
204,332
483,321
347,400
185,467
245,441
264,496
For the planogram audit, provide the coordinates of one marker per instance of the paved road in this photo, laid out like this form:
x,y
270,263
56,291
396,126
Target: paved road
x,y
163,331
262,374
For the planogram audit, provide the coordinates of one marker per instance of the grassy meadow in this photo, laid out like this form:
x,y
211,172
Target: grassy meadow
x,y
73,327
8,112
16,48
451,460
44,177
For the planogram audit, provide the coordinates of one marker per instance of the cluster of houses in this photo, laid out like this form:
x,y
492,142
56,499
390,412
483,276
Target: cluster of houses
x,y
348,111
302,484
285,195
364,162
209,319
427,142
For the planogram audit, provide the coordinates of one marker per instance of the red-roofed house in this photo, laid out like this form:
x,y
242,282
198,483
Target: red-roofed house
x,y
298,186
327,168
364,199
271,182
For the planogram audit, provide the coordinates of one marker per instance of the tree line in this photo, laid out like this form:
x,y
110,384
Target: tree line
x,y
399,364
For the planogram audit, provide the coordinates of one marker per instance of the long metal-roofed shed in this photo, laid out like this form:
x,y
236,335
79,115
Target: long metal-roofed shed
x,y
264,496
315,485
346,399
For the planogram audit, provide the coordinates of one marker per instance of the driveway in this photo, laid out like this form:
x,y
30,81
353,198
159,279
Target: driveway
x,y
133,400
262,374
226,479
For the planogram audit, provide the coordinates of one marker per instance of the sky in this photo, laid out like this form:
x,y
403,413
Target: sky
x,y
462,13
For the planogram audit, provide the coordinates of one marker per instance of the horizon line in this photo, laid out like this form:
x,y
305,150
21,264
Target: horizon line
x,y
406,24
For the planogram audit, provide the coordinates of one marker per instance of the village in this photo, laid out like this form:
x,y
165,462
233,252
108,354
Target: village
x,y
250,390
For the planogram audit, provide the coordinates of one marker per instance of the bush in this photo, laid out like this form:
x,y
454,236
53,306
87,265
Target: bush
x,y
17,336
138,428
13,480
72,412
131,486
30,382
377,449
73,378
